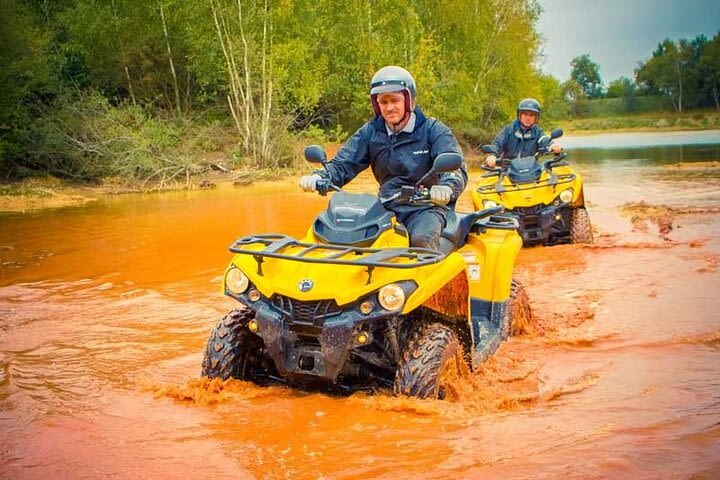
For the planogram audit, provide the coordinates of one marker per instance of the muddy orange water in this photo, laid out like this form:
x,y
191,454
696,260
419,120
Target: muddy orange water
x,y
105,310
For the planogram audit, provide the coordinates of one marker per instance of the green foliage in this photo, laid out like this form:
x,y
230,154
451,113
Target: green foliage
x,y
708,70
575,97
652,121
86,138
552,99
141,90
586,73
687,71
623,89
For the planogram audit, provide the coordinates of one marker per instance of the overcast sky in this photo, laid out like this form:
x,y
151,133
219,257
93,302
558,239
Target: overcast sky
x,y
617,34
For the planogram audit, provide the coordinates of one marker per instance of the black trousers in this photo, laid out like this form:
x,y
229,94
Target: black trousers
x,y
424,226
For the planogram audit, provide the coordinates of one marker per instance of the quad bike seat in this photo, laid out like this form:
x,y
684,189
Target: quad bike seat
x,y
457,228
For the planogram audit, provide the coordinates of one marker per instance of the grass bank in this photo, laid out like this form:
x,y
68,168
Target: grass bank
x,y
643,122
217,155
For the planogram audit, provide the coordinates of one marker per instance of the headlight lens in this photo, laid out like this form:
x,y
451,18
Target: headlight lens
x,y
566,195
391,297
489,204
236,281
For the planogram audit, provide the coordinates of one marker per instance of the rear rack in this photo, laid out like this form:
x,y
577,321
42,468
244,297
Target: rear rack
x,y
277,244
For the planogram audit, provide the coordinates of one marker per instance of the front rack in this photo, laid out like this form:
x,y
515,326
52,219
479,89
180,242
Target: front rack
x,y
276,246
559,180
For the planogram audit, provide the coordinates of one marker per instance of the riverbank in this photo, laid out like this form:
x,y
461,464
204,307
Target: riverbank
x,y
48,192
40,193
643,122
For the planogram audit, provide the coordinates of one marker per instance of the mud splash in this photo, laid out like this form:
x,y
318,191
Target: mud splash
x,y
662,216
641,214
210,391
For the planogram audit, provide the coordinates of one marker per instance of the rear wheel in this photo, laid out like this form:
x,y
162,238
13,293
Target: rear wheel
x,y
518,314
233,351
432,364
580,228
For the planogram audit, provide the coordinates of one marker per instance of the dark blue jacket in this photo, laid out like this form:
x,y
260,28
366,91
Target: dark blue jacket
x,y
514,141
398,160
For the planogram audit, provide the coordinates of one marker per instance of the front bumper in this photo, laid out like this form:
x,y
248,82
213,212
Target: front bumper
x,y
311,348
542,224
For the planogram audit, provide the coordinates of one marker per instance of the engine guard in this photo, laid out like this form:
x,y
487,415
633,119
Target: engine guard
x,y
538,225
307,353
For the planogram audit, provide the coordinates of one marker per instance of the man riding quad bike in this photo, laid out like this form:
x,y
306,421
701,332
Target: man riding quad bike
x,y
546,197
352,306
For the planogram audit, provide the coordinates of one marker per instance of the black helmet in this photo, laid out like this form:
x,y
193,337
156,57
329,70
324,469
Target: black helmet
x,y
529,105
393,79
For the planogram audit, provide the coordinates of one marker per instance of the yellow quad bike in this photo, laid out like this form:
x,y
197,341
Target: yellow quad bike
x,y
546,197
350,306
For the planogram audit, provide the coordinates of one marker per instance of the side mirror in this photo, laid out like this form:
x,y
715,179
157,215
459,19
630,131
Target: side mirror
x,y
315,154
557,133
543,142
444,162
447,162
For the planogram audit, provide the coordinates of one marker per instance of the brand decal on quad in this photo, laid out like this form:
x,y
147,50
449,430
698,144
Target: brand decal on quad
x,y
306,285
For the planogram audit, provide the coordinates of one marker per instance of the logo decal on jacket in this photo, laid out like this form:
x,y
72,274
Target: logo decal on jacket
x,y
420,152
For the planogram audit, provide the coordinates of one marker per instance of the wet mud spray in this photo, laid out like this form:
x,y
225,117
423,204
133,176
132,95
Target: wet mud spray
x,y
612,374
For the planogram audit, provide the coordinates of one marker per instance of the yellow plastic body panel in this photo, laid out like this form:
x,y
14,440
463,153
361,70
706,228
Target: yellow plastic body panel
x,y
343,283
490,257
494,254
531,193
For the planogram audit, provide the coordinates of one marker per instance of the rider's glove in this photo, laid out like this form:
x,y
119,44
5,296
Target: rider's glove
x,y
440,194
309,182
556,148
491,160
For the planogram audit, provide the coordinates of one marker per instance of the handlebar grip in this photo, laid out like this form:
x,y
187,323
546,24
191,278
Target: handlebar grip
x,y
492,211
323,185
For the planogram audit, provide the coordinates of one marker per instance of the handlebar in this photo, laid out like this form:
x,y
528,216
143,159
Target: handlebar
x,y
324,185
555,161
409,195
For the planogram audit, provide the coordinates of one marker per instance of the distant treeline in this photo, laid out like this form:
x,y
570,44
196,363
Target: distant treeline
x,y
149,91
680,75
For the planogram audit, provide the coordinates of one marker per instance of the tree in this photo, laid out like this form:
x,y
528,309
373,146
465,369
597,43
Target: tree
x,y
709,69
575,96
672,71
586,73
624,89
554,104
269,68
23,76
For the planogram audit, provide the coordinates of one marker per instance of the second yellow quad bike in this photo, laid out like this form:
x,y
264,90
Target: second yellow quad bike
x,y
546,197
351,306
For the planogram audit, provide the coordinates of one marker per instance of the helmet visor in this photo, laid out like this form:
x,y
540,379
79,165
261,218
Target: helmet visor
x,y
387,86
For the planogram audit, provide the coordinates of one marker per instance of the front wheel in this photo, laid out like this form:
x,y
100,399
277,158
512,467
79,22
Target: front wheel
x,y
432,364
580,228
233,351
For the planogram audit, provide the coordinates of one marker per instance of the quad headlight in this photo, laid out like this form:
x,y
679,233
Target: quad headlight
x,y
236,281
489,204
566,195
391,297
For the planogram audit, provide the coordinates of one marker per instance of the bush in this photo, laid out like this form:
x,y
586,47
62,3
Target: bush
x,y
88,138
